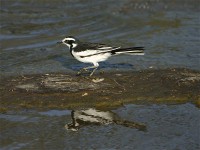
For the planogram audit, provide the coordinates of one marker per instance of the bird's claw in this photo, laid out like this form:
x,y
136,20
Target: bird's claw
x,y
81,71
78,73
102,71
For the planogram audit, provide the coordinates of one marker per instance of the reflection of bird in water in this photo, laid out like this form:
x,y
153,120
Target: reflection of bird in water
x,y
92,116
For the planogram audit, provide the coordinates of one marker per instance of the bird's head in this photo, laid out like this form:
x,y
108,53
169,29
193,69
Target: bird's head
x,y
70,41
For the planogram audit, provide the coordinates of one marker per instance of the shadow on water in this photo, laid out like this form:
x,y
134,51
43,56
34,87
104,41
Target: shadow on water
x,y
91,116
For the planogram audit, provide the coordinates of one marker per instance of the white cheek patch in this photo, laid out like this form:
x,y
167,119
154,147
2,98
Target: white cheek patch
x,y
74,45
64,40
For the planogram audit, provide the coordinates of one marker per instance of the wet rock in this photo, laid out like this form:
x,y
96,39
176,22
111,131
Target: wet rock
x,y
61,83
188,78
68,91
28,87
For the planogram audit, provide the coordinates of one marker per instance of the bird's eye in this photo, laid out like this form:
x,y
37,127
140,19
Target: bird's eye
x,y
66,41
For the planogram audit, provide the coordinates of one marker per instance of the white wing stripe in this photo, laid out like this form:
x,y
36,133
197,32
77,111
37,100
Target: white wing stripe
x,y
93,52
108,48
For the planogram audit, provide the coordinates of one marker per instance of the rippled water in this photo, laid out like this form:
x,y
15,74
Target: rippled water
x,y
169,30
168,127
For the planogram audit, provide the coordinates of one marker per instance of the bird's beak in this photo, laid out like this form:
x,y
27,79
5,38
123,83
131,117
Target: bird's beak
x,y
59,42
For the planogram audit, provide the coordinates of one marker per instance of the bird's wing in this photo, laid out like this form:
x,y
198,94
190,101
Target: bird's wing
x,y
101,47
89,49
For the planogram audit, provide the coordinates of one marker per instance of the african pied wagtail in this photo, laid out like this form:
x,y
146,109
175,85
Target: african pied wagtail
x,y
95,52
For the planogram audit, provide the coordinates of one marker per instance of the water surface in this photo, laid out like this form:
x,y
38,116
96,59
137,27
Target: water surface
x,y
169,30
168,127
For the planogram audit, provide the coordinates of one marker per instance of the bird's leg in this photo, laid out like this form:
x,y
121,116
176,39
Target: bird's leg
x,y
93,70
96,65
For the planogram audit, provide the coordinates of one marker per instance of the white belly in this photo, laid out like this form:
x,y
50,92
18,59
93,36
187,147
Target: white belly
x,y
91,59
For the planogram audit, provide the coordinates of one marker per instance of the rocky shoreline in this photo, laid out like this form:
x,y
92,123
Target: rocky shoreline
x,y
108,90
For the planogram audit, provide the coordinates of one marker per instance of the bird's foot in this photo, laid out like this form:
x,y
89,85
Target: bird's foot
x,y
102,71
81,71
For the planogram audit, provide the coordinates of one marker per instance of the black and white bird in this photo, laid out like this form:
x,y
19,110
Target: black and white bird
x,y
95,52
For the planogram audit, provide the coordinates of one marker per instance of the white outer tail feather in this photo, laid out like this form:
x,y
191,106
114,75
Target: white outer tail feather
x,y
131,52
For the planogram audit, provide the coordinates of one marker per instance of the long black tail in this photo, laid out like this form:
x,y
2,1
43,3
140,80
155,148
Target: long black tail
x,y
130,50
130,124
